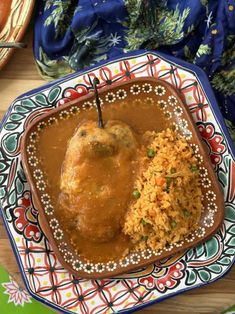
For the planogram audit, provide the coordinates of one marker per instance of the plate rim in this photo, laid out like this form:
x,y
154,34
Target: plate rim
x,y
201,76
194,69
127,311
198,141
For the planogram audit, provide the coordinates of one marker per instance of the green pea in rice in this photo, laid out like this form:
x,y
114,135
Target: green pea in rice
x,y
172,210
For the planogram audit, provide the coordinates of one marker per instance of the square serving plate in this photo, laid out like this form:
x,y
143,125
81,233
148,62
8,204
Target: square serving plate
x,y
44,276
152,92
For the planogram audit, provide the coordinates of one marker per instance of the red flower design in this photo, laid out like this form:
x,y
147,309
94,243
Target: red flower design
x,y
164,73
200,110
199,105
124,72
72,93
129,70
25,218
214,141
152,66
164,278
106,76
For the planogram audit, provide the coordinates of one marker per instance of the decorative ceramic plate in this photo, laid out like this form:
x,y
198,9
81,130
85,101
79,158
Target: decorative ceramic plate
x,y
14,19
43,275
165,103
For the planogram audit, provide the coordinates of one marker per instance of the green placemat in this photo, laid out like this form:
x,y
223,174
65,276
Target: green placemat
x,y
230,310
14,299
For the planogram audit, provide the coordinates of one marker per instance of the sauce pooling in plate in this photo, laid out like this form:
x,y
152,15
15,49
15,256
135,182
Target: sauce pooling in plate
x,y
79,156
97,179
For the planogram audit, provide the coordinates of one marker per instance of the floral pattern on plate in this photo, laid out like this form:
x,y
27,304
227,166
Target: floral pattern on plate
x,y
42,272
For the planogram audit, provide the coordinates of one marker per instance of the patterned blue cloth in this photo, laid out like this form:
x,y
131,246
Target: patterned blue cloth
x,y
72,34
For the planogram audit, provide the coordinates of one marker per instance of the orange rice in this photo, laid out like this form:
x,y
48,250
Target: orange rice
x,y
170,197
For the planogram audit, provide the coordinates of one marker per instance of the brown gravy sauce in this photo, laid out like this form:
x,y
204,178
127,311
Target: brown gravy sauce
x,y
53,144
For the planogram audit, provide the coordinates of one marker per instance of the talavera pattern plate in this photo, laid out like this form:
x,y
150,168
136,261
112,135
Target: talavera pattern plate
x,y
43,275
153,93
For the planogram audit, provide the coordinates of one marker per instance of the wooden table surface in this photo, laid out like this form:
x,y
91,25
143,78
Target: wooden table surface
x,y
19,76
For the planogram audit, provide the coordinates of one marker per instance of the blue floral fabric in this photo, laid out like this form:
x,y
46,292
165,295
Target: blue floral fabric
x,y
72,34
